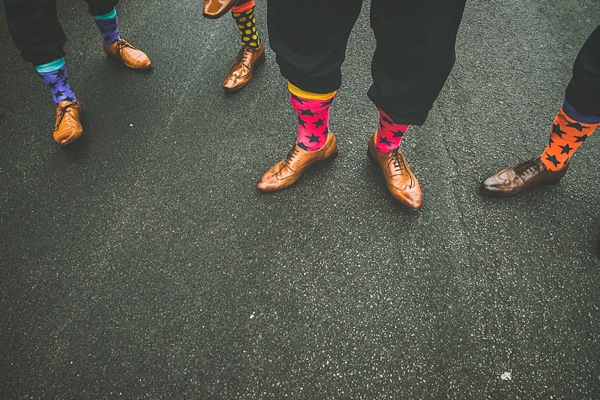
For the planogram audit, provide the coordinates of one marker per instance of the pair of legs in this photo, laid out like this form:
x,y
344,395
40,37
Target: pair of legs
x,y
576,120
37,33
252,53
412,60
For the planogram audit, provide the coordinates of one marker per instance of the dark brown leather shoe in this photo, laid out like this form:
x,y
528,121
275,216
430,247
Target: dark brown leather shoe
x,y
68,122
289,170
240,74
217,8
513,180
129,55
399,179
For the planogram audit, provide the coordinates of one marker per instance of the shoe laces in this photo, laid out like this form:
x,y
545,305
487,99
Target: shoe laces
x,y
397,161
121,44
62,112
528,166
290,155
246,56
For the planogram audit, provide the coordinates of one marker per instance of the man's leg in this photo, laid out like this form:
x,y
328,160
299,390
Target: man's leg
x,y
105,16
37,33
309,39
413,58
252,53
576,120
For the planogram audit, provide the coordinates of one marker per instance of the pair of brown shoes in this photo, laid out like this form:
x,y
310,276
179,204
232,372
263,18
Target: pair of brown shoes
x,y
68,114
513,180
399,179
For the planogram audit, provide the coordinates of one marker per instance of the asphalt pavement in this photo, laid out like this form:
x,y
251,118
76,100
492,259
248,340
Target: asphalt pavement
x,y
140,262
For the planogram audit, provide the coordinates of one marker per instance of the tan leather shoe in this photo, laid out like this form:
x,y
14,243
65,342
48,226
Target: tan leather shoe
x,y
217,8
289,170
240,74
68,122
399,179
129,55
513,180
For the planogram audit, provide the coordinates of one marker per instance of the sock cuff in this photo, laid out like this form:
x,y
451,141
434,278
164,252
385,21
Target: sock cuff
x,y
574,115
310,95
109,15
51,66
243,7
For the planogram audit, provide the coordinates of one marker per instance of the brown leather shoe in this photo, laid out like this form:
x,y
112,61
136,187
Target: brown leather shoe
x,y
289,170
217,8
240,74
129,55
399,179
68,125
513,180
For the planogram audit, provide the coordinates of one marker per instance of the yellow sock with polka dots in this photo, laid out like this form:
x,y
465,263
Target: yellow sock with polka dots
x,y
243,14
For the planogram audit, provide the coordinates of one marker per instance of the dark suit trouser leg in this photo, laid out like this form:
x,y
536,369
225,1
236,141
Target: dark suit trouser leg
x,y
583,91
309,39
35,30
414,54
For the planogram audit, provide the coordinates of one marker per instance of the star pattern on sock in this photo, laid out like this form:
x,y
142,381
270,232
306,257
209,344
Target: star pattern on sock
x,y
398,134
556,130
575,125
302,146
313,121
552,159
109,29
59,84
298,99
327,103
384,140
389,134
301,121
581,138
313,138
566,149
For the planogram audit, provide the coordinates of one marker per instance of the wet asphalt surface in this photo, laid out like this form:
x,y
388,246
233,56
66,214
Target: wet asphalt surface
x,y
140,262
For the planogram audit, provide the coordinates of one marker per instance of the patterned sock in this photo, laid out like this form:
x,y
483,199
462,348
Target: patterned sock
x,y
389,134
569,130
54,75
243,14
313,117
109,26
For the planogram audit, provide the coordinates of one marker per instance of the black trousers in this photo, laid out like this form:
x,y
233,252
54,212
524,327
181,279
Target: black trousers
x,y
413,58
583,91
35,30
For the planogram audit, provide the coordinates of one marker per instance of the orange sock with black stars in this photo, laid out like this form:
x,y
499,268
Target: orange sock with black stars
x,y
566,136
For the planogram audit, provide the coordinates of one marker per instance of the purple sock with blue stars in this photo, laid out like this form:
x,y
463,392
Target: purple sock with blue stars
x,y
54,75
109,26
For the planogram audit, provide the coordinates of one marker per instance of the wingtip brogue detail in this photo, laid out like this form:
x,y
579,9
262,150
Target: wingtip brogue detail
x,y
243,68
287,171
128,54
513,180
399,179
68,127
